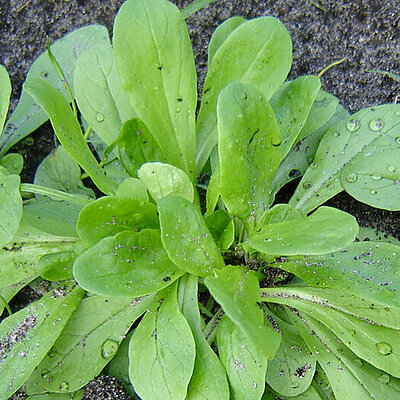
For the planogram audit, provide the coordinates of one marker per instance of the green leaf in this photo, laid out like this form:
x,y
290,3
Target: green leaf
x,y
222,228
110,215
101,99
5,93
128,264
19,260
57,266
193,7
291,106
26,336
326,230
28,115
212,195
291,371
53,396
137,146
248,139
186,238
279,213
349,157
88,342
159,75
245,365
237,291
59,171
221,34
51,216
10,207
14,163
162,353
310,394
132,188
209,380
163,180
366,269
68,131
302,153
373,235
343,369
258,53
8,292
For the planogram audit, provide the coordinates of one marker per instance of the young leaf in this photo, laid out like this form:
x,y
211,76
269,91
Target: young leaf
x,y
221,34
128,264
110,215
68,131
57,266
248,136
258,53
14,163
159,75
136,146
26,336
222,228
163,180
162,353
349,156
101,99
291,371
88,342
237,291
343,368
132,188
209,380
10,207
5,93
213,194
326,230
59,171
244,363
186,238
291,106
366,269
53,396
28,115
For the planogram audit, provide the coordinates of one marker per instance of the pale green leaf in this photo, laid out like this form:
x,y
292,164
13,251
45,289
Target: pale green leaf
x,y
132,188
5,93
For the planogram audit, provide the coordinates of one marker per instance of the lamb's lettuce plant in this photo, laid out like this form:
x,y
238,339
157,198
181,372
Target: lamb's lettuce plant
x,y
181,294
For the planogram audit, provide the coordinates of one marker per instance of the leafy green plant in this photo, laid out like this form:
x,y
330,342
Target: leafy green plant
x,y
181,295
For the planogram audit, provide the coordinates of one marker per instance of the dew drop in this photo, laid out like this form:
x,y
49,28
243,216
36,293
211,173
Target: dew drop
x,y
44,373
391,168
376,125
384,348
351,177
373,192
45,74
358,363
99,117
156,88
313,165
142,107
353,125
376,177
64,386
384,378
109,348
398,139
307,185
295,385
336,134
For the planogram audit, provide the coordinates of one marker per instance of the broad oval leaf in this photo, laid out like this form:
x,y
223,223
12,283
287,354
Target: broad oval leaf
x,y
68,131
238,292
132,188
244,363
248,139
159,75
258,53
28,115
351,156
27,336
88,342
291,371
326,230
185,237
5,93
163,180
98,90
291,106
128,264
110,215
57,266
10,207
162,353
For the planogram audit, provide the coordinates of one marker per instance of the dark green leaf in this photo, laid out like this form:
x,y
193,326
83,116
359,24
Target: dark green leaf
x,y
222,228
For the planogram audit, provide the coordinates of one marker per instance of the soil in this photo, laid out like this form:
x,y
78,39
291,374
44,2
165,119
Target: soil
x,y
365,32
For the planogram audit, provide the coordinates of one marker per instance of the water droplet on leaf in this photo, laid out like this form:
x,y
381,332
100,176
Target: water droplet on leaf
x,y
384,348
376,177
99,117
351,177
376,125
307,185
391,168
353,125
109,348
358,362
373,192
64,386
336,134
384,378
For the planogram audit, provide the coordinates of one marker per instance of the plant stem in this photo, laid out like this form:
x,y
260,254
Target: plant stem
x,y
209,331
6,305
55,194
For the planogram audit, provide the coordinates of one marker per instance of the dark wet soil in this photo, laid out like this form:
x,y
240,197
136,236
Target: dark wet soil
x,y
365,32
